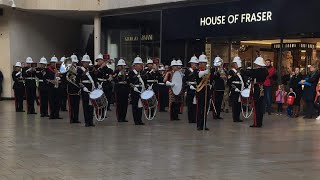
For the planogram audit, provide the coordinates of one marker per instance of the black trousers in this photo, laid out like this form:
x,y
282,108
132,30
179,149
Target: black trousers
x,y
192,108
236,106
18,97
202,108
136,111
87,109
44,101
174,110
107,89
218,101
54,102
259,111
64,98
31,97
122,95
74,102
309,108
163,97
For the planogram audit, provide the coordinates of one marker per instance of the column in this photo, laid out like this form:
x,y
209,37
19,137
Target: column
x,y
97,35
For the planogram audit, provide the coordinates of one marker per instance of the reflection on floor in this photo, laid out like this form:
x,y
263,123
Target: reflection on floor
x,y
34,148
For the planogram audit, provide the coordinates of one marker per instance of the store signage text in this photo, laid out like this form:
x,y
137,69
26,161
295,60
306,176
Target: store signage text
x,y
147,37
236,18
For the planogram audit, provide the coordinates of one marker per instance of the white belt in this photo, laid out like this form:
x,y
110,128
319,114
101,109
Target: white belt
x,y
40,80
30,78
122,82
99,79
161,83
192,83
236,82
86,81
152,81
138,85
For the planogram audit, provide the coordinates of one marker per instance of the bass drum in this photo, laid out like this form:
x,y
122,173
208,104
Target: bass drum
x,y
98,99
177,81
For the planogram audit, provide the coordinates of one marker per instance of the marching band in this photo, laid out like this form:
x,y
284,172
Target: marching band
x,y
149,89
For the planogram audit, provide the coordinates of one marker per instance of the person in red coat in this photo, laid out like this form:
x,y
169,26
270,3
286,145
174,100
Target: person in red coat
x,y
268,86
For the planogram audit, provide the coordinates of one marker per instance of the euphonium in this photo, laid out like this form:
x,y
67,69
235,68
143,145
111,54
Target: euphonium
x,y
205,80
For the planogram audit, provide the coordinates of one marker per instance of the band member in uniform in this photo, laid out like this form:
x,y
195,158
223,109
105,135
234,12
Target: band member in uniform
x,y
174,100
73,90
152,75
104,75
52,78
236,84
18,87
203,93
163,90
29,74
63,88
87,79
137,82
43,88
218,86
259,75
191,84
122,90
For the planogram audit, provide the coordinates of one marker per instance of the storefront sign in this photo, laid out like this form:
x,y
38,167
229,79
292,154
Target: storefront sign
x,y
147,37
236,18
245,18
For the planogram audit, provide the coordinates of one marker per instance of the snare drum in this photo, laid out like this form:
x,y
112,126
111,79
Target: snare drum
x,y
148,99
98,99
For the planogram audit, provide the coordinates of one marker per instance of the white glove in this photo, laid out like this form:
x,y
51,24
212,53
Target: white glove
x,y
192,87
150,87
237,90
85,89
18,73
168,83
99,86
136,89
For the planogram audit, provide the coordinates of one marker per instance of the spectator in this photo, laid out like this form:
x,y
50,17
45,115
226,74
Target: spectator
x,y
309,90
295,87
268,86
280,95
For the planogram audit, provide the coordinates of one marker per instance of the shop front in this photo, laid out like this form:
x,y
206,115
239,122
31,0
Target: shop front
x,y
285,31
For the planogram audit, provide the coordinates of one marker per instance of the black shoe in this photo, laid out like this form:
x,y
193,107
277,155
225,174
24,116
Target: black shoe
x,y
207,129
92,125
43,116
307,117
253,126
227,111
219,117
269,113
141,123
200,129
52,117
64,110
108,109
239,121
76,122
47,115
87,125
123,121
58,118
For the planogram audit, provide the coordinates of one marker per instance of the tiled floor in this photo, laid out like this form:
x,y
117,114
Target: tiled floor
x,y
35,148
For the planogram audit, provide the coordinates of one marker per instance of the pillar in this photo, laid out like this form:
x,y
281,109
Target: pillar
x,y
97,35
